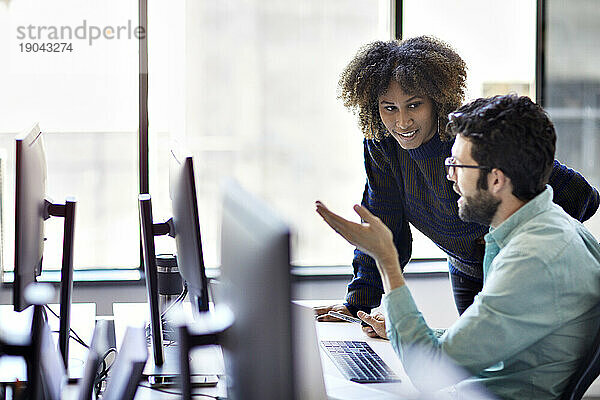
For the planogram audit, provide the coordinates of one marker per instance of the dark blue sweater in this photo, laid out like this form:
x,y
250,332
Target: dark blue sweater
x,y
410,186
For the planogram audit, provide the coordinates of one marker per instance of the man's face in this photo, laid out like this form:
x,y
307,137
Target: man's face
x,y
475,204
408,118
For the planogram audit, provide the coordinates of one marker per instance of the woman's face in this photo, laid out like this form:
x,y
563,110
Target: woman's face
x,y
408,118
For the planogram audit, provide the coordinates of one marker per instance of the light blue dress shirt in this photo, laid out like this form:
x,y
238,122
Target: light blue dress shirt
x,y
529,327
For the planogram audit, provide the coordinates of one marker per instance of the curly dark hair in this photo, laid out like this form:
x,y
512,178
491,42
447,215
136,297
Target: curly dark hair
x,y
510,133
422,66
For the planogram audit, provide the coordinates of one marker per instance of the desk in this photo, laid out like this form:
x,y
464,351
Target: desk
x,y
137,313
351,331
83,319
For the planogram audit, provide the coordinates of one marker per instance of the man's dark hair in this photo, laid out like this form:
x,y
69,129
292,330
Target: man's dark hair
x,y
510,133
422,66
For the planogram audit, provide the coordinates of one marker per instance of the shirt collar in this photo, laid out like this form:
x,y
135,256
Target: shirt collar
x,y
502,234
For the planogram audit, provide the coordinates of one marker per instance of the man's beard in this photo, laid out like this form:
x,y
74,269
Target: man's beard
x,y
479,208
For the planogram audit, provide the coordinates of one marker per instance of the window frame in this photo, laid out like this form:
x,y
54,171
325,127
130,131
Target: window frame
x,y
396,14
143,137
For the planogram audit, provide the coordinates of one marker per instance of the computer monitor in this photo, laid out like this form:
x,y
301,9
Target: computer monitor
x,y
126,372
255,275
184,203
31,210
30,196
52,369
94,360
185,228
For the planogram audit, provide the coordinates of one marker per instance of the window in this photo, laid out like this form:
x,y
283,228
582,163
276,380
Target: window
x,y
85,100
249,88
495,38
572,86
254,84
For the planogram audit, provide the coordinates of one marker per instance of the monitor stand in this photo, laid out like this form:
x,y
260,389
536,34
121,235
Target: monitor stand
x,y
204,364
169,366
168,374
164,364
201,336
66,211
148,231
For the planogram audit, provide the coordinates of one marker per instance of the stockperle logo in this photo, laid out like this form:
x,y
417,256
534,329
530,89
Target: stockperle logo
x,y
84,31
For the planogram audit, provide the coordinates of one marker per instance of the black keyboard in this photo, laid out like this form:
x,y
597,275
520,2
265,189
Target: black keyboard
x,y
358,362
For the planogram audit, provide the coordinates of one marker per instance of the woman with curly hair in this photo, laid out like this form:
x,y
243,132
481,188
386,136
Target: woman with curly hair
x,y
402,92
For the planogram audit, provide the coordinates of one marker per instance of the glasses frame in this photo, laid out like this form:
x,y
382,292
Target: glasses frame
x,y
450,167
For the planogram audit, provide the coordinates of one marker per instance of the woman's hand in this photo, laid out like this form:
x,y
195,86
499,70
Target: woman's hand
x,y
322,316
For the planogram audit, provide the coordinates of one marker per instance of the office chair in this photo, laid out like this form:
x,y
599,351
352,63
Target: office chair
x,y
586,374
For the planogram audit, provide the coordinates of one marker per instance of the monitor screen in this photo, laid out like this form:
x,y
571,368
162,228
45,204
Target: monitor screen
x,y
52,369
94,360
126,371
256,285
30,195
190,262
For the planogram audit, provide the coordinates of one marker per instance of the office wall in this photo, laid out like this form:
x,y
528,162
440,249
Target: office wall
x,y
432,294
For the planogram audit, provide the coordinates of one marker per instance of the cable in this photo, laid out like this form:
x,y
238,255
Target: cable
x,y
168,333
179,299
75,336
78,340
103,374
163,315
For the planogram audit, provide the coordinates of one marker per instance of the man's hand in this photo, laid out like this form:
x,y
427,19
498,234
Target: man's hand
x,y
372,237
376,323
322,316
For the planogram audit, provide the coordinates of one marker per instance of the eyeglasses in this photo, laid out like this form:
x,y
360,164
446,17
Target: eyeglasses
x,y
450,164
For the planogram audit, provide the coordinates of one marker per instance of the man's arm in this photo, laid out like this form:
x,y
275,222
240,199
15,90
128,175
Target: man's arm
x,y
383,198
573,193
504,319
514,310
372,237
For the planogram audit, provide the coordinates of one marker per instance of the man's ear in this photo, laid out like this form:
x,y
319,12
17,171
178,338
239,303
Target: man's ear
x,y
498,182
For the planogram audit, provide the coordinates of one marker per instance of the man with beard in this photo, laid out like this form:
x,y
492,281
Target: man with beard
x,y
527,331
